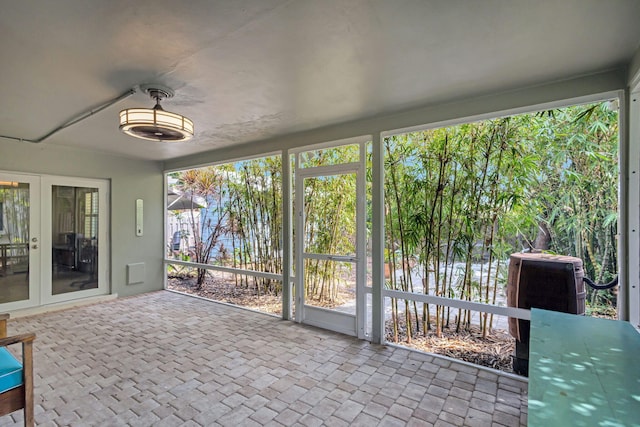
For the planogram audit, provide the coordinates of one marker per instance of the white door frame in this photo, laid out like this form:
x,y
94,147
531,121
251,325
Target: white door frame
x,y
321,317
48,182
40,256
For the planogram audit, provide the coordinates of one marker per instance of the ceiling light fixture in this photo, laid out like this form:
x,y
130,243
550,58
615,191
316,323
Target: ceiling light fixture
x,y
155,124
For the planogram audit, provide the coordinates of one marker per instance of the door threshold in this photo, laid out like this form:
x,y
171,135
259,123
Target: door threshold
x,y
32,311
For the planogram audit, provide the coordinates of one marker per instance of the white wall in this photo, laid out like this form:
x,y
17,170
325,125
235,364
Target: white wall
x,y
633,72
633,213
510,102
129,180
633,188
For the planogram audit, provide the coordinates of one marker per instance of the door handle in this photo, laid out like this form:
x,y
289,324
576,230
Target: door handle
x,y
342,258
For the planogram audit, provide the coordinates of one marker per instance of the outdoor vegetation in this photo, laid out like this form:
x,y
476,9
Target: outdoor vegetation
x,y
458,201
329,227
14,227
239,223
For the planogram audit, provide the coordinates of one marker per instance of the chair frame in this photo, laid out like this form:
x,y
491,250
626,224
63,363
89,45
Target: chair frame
x,y
19,397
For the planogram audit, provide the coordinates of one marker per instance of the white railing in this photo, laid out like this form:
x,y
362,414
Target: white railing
x,y
272,276
518,313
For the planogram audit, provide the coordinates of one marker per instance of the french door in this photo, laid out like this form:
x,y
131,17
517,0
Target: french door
x,y
19,241
330,248
53,244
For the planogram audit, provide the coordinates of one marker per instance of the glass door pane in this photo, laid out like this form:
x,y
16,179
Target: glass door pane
x,y
74,238
18,241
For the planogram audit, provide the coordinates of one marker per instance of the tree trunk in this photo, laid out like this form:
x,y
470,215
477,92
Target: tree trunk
x,y
543,239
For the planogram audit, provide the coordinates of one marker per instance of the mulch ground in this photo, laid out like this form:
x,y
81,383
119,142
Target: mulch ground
x,y
226,290
493,351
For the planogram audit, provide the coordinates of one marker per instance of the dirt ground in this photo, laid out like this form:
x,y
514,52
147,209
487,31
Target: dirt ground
x,y
226,290
494,351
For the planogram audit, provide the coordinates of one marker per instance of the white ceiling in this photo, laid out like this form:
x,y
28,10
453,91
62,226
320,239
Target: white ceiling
x,y
246,70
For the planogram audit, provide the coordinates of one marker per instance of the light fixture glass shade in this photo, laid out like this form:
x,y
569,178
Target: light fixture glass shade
x,y
155,124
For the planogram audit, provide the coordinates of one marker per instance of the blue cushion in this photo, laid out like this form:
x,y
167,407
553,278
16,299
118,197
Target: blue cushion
x,y
10,371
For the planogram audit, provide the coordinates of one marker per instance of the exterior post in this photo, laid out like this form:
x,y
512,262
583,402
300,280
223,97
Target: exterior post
x,y
287,245
377,237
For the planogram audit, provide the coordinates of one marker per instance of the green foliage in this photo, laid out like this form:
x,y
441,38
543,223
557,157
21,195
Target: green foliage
x,y
458,202
475,193
241,225
329,223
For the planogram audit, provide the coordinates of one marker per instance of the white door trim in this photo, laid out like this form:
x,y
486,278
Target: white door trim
x,y
325,318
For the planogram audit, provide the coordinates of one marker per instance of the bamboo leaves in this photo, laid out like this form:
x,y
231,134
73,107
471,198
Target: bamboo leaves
x,y
241,224
459,200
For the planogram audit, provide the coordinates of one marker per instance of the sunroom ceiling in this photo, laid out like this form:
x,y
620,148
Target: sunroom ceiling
x,y
246,70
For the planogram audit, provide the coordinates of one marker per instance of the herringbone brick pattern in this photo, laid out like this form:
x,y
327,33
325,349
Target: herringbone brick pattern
x,y
165,359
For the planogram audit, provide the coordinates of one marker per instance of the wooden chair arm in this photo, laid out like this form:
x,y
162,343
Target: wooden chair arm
x,y
3,324
15,339
19,397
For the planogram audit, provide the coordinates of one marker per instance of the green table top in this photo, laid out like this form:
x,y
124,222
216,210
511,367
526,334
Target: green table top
x,y
583,371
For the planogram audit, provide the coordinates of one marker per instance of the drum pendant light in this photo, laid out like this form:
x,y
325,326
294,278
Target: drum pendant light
x,y
156,124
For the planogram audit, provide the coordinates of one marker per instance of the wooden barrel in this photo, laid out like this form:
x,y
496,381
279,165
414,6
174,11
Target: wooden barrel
x,y
550,282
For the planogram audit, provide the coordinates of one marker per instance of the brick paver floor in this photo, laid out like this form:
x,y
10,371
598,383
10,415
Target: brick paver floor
x,y
166,359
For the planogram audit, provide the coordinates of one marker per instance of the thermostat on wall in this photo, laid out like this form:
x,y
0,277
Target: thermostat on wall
x,y
139,215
